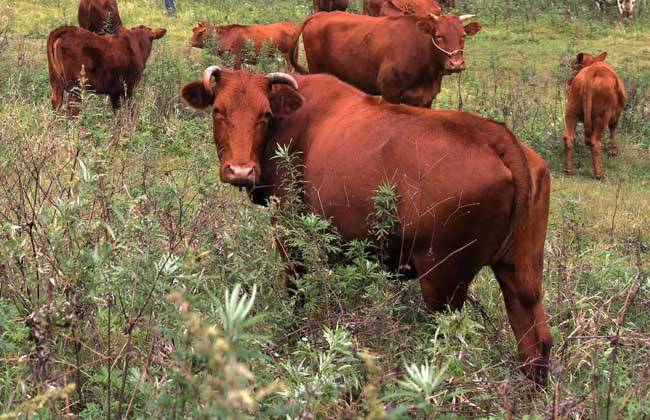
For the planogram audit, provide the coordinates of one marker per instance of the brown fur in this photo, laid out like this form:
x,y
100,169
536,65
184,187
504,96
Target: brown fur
x,y
596,98
389,56
330,5
232,38
470,193
95,14
401,7
113,64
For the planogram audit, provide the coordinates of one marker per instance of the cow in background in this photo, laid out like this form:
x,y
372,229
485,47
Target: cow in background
x,y
234,38
402,58
99,16
401,7
625,7
111,64
330,5
596,98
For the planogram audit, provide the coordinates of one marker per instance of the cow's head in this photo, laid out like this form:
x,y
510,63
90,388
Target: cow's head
x,y
243,106
200,34
448,37
583,60
145,37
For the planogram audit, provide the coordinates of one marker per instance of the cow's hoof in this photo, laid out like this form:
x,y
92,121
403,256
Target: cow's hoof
x,y
568,171
613,151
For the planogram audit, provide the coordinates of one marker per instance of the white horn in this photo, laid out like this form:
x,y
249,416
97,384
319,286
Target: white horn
x,y
282,78
209,77
463,18
434,17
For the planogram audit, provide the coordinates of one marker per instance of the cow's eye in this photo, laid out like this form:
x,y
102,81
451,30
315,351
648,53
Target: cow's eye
x,y
265,118
216,111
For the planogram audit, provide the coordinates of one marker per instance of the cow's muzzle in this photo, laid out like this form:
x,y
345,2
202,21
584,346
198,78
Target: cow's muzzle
x,y
240,174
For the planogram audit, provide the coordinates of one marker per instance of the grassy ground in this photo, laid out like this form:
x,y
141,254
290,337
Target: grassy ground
x,y
118,245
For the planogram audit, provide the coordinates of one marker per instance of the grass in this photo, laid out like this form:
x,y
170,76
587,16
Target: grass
x,y
121,253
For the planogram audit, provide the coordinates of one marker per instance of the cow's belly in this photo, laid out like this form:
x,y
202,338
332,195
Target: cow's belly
x,y
461,198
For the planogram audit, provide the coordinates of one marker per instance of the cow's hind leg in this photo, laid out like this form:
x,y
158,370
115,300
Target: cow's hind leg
x,y
57,90
570,123
597,145
528,321
613,148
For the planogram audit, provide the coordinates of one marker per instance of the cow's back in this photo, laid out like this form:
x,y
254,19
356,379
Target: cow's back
x,y
599,84
104,59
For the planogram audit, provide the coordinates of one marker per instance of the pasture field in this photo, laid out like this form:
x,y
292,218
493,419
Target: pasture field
x,y
134,284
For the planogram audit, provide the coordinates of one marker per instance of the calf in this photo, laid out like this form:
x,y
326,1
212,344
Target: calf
x,y
330,5
99,16
596,98
112,64
233,38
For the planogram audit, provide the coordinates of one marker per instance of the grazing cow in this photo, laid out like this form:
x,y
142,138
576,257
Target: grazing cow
x,y
233,39
111,64
596,97
402,58
470,193
625,7
99,16
330,5
401,7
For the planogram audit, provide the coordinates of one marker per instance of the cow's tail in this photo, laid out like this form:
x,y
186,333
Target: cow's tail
x,y
513,156
587,105
296,46
53,59
620,92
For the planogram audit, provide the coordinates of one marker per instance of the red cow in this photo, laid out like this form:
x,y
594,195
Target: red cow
x,y
470,194
330,5
596,97
99,16
401,58
233,39
112,64
401,7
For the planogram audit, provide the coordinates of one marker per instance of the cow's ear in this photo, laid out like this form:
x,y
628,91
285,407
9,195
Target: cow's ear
x,y
158,33
284,100
472,28
601,57
195,95
425,26
580,58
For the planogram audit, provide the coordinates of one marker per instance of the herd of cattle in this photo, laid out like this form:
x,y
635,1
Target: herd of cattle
x,y
471,194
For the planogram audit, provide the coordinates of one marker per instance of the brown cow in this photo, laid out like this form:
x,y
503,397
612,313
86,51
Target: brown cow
x,y
470,193
112,64
233,39
99,16
402,58
596,98
401,7
330,5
